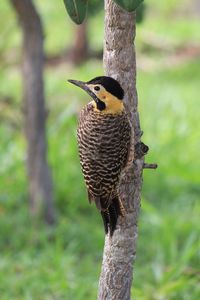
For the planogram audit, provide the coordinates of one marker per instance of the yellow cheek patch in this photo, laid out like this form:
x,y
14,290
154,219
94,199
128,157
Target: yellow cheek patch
x,y
102,95
113,104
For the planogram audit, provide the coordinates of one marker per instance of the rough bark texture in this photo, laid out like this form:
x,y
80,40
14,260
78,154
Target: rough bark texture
x,y
120,250
39,176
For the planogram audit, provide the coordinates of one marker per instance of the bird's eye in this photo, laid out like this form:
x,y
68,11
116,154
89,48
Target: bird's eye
x,y
97,88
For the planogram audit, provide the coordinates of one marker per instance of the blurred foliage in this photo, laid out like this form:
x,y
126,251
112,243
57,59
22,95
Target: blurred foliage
x,y
140,13
76,10
64,261
129,5
95,6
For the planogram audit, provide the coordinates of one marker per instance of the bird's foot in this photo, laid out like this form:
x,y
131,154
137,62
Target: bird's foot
x,y
140,150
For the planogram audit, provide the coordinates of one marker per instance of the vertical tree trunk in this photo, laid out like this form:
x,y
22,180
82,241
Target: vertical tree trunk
x,y
39,176
119,61
79,52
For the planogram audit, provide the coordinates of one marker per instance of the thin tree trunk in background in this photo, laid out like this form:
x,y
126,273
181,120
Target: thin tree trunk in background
x,y
119,61
197,7
79,52
39,176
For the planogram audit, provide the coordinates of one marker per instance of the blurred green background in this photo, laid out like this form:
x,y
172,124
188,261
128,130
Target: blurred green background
x,y
63,261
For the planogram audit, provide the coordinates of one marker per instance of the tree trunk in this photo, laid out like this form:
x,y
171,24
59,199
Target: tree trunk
x,y
120,250
79,52
39,176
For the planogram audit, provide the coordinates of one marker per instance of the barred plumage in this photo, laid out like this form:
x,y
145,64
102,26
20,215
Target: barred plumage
x,y
104,142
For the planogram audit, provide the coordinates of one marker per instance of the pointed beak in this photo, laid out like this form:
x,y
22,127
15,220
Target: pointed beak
x,y
83,85
80,84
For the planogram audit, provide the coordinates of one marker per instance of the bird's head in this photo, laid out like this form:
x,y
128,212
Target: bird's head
x,y
106,92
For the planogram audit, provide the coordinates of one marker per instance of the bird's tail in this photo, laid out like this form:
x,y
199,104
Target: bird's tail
x,y
110,215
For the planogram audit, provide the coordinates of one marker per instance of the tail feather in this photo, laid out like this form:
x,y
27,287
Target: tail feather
x,y
111,214
105,217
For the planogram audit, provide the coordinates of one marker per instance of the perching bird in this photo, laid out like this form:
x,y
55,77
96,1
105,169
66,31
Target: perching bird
x,y
104,139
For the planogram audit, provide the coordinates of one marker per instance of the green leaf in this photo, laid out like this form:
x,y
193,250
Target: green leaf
x,y
129,5
76,9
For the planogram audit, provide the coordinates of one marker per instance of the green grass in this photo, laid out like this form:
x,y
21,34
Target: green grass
x,y
64,261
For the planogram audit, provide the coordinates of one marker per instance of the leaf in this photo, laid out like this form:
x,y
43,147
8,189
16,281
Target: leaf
x,y
129,5
76,9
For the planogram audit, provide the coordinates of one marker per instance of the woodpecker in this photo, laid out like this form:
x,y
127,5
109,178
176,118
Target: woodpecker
x,y
104,141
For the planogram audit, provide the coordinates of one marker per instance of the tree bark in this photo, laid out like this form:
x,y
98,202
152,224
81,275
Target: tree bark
x,y
120,250
79,52
39,176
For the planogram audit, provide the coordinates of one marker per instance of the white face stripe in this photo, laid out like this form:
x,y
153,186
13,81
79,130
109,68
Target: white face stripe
x,y
96,92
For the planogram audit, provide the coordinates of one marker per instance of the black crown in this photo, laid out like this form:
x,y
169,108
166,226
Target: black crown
x,y
110,84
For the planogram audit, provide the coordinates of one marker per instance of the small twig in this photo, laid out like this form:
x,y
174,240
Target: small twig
x,y
150,166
